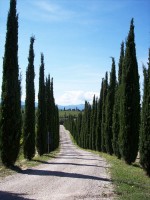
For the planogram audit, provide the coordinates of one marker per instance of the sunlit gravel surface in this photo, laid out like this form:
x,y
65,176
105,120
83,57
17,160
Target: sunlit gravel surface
x,y
73,175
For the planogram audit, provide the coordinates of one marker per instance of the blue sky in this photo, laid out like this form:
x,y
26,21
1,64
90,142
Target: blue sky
x,y
77,37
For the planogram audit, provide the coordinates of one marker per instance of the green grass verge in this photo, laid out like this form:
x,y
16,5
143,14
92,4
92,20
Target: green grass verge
x,y
24,164
130,181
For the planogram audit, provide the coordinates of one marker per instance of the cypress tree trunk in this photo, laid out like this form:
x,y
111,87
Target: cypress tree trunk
x,y
145,122
41,115
109,109
29,121
130,102
11,93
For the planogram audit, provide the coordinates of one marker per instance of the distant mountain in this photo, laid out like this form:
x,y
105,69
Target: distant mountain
x,y
60,107
67,107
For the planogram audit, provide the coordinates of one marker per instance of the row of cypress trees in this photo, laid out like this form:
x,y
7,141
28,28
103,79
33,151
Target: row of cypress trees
x,y
112,123
44,133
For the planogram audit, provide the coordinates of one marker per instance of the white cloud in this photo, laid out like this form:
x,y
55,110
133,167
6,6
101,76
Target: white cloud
x,y
53,12
76,97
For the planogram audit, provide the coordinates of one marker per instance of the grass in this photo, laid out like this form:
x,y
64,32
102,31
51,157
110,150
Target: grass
x,y
24,164
130,181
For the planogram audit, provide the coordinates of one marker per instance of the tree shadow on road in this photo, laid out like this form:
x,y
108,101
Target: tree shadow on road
x,y
12,196
60,174
75,157
74,164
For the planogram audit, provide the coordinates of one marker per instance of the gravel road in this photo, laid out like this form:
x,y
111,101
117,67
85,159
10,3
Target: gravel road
x,y
73,175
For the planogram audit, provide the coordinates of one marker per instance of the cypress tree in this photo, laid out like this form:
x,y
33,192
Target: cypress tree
x,y
93,123
57,126
109,109
99,120
83,126
11,92
48,111
121,63
103,124
85,134
130,102
145,122
79,124
52,126
29,120
41,113
88,125
116,110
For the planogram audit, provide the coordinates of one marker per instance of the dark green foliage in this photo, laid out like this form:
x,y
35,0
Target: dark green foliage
x,y
87,124
48,112
99,120
29,118
145,122
52,117
130,102
93,123
109,109
121,63
70,124
116,125
11,93
103,124
56,128
84,125
79,124
41,137
116,110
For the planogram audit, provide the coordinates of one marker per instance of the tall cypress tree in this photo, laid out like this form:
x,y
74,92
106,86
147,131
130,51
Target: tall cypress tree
x,y
56,130
79,124
89,110
121,59
93,123
41,137
99,120
11,92
83,126
48,110
29,120
145,122
116,110
103,124
109,109
130,102
52,125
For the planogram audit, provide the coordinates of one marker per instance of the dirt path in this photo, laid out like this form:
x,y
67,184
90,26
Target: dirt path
x,y
74,175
